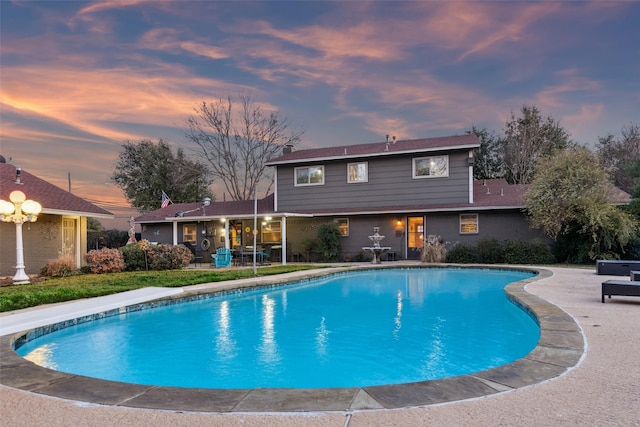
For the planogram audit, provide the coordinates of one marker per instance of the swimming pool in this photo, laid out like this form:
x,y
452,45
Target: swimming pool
x,y
373,327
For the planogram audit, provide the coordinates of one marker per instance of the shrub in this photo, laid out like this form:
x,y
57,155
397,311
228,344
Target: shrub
x,y
433,250
59,267
462,254
362,257
134,257
490,251
330,241
168,257
105,261
534,252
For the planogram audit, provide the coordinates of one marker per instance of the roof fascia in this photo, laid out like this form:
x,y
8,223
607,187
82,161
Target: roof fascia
x,y
77,213
220,217
431,210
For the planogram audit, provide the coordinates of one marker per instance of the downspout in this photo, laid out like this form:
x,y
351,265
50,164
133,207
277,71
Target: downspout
x,y
470,163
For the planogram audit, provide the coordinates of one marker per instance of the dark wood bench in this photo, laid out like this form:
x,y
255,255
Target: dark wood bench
x,y
620,287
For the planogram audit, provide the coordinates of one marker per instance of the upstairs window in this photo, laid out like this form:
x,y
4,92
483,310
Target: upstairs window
x,y
431,167
309,175
357,172
469,224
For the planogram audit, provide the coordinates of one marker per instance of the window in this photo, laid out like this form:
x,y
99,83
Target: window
x,y
189,233
357,172
343,225
271,232
310,175
431,167
469,224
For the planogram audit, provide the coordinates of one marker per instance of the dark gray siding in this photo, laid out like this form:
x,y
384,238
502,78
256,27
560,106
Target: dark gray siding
x,y
390,185
158,232
360,227
501,225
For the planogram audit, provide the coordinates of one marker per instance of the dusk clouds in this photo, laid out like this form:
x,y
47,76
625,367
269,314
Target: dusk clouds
x,y
78,78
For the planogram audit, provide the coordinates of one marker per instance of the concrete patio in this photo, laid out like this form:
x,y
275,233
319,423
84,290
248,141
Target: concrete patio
x,y
557,384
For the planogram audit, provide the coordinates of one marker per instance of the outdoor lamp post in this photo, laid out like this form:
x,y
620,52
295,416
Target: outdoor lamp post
x,y
19,211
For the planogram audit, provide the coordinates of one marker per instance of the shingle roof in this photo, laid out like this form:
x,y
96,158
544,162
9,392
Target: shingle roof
x,y
379,149
235,208
488,194
53,199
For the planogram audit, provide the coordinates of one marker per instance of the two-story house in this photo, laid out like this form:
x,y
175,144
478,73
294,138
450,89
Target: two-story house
x,y
410,189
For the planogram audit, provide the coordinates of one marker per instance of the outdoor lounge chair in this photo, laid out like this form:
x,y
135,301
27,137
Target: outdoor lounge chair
x,y
222,257
620,287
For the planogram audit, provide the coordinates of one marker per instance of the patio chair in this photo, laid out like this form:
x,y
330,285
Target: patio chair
x,y
222,257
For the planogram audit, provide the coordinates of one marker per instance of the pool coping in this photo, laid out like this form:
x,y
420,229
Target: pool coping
x,y
560,348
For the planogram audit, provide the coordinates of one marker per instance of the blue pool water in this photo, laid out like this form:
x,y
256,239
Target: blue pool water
x,y
373,327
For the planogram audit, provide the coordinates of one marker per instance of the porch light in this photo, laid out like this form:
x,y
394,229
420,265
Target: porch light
x,y
19,211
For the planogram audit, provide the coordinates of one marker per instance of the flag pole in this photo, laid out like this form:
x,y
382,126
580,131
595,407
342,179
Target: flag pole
x,y
255,229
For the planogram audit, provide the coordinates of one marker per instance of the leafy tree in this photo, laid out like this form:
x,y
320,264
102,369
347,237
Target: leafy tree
x,y
571,193
621,155
488,159
634,173
144,170
237,145
528,139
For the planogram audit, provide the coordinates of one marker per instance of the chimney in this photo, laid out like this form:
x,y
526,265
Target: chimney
x,y
18,173
287,149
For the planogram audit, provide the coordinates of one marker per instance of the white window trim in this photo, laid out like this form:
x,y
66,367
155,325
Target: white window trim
x,y
366,178
195,233
338,220
295,176
413,167
477,217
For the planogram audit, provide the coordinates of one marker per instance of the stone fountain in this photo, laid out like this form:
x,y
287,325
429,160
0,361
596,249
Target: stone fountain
x,y
376,249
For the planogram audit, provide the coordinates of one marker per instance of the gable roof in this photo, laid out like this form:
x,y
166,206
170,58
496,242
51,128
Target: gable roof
x,y
188,212
54,200
411,146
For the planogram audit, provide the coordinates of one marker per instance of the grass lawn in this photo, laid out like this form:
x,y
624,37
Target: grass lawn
x,y
59,289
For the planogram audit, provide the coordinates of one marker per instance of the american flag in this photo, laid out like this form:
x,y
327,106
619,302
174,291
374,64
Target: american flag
x,y
165,200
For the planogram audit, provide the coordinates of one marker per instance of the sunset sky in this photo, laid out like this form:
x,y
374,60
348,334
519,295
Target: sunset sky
x,y
78,78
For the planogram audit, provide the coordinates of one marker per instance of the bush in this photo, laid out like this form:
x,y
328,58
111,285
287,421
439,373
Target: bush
x,y
330,241
462,254
433,250
533,252
59,267
168,257
105,261
134,257
362,257
490,251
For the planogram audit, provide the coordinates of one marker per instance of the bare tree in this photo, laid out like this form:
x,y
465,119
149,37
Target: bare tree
x,y
528,139
237,145
621,155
